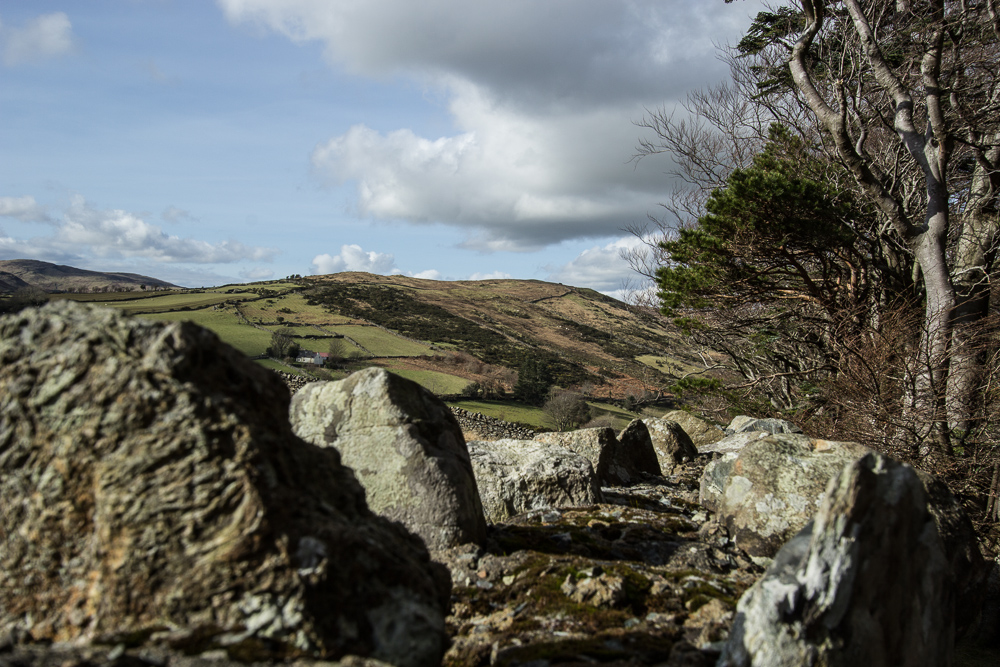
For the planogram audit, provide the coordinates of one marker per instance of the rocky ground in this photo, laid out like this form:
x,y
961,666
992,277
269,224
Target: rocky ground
x,y
644,578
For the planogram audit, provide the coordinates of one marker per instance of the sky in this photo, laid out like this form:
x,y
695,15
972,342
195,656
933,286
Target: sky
x,y
210,142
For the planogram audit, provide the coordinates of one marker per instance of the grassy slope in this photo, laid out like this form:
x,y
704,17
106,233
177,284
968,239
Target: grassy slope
x,y
602,339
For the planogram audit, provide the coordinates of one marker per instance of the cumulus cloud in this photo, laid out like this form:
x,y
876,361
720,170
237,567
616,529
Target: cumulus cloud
x,y
354,258
429,274
85,231
600,267
543,97
46,36
23,208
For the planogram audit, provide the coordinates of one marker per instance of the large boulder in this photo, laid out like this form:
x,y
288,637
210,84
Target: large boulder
x,y
671,443
701,432
869,582
769,490
616,462
153,490
405,447
597,445
635,455
516,476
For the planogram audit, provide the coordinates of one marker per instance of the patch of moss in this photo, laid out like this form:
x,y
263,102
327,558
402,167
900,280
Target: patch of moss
x,y
649,648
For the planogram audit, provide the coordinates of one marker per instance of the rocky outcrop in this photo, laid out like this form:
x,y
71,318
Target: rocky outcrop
x,y
636,580
616,462
671,443
597,445
867,583
700,431
517,476
154,495
770,489
405,447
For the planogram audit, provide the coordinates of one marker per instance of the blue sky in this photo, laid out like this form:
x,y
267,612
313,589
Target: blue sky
x,y
210,142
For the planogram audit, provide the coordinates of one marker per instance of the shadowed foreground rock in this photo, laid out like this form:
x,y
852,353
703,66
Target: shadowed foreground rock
x,y
154,494
405,447
867,583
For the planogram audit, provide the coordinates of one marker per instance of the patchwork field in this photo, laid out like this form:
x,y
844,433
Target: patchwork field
x,y
226,325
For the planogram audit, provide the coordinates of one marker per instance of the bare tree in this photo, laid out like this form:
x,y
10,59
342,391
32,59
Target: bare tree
x,y
281,342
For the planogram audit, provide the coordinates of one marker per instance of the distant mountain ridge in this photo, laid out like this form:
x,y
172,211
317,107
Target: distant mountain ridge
x,y
19,273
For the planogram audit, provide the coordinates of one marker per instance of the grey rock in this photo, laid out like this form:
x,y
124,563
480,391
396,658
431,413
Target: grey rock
x,y
150,478
733,443
713,481
597,445
772,487
671,442
405,447
867,583
517,476
701,432
634,456
744,424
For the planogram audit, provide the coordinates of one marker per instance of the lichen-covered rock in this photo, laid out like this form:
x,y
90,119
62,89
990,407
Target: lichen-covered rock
x,y
733,443
700,431
713,481
597,445
744,424
152,487
634,456
671,443
868,582
772,487
405,447
516,476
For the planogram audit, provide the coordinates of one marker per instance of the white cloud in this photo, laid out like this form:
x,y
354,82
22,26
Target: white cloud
x,y
354,258
46,36
23,208
600,267
429,274
84,231
495,275
543,96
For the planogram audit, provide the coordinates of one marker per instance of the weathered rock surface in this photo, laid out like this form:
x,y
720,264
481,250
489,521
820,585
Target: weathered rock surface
x,y
769,490
744,424
733,443
671,443
405,447
616,462
516,476
155,495
868,583
597,445
701,432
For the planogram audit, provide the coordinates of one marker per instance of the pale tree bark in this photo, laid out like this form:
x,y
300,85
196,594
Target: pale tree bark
x,y
943,385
